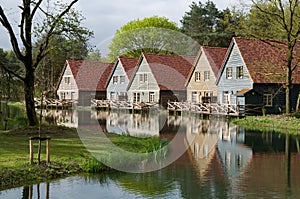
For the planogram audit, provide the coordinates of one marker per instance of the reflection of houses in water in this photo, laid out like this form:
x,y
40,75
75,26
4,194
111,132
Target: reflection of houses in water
x,y
201,136
68,118
233,154
139,125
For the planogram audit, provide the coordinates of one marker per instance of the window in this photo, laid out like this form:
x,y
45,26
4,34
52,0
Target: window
x,y
63,95
115,79
239,72
194,97
206,75
122,79
122,96
226,97
197,76
136,97
67,80
151,97
268,100
145,77
229,73
112,96
141,77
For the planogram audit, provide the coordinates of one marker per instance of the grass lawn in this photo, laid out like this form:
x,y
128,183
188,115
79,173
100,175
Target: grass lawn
x,y
68,154
278,123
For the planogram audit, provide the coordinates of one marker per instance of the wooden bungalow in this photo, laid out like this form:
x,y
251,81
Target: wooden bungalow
x,y
201,87
83,80
253,74
119,78
159,78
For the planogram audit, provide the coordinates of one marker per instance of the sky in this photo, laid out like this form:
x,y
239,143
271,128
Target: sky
x,y
104,17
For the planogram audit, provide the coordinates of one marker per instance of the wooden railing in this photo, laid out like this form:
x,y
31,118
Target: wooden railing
x,y
208,108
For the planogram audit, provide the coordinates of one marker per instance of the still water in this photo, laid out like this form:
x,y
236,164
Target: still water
x,y
223,161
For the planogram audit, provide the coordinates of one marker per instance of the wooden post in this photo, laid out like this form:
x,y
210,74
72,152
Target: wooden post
x,y
5,124
30,151
48,150
47,190
40,139
298,103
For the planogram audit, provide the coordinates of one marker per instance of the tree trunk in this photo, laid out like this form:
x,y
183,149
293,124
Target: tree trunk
x,y
288,78
29,98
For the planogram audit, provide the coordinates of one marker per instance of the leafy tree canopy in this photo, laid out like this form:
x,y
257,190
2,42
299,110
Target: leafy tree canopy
x,y
208,25
153,34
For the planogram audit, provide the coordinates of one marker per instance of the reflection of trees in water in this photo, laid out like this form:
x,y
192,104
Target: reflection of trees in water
x,y
28,191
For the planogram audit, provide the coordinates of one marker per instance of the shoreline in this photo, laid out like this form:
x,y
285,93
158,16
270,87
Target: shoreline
x,y
277,123
68,155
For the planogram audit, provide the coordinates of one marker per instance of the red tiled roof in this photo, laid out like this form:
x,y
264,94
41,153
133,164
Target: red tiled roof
x,y
129,65
266,60
89,75
170,71
215,56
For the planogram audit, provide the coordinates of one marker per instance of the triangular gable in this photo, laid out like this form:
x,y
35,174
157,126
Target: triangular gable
x,y
74,67
88,75
264,60
128,65
214,56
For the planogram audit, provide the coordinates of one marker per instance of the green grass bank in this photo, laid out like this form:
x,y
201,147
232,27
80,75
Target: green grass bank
x,y
68,154
277,123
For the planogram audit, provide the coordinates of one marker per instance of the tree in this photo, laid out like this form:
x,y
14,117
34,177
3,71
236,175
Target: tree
x,y
58,20
10,86
283,17
62,49
151,34
207,25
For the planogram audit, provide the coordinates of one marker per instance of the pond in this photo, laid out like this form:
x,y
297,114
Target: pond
x,y
222,161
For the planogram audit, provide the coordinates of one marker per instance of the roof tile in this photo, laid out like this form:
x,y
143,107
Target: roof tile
x,y
89,75
170,71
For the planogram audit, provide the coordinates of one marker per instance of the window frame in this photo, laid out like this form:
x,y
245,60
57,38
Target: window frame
x,y
206,75
240,72
229,71
151,97
115,79
197,76
268,100
122,79
67,80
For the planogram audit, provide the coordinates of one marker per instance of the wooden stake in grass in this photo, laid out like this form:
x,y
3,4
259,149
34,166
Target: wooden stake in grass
x,y
40,139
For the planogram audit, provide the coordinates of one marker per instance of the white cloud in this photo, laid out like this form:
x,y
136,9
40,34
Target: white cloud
x,y
104,17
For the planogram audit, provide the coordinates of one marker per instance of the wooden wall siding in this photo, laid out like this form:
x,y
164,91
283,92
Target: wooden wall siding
x,y
234,84
119,87
257,96
70,90
144,88
202,86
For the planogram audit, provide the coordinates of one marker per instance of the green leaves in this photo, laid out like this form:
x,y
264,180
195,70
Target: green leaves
x,y
154,34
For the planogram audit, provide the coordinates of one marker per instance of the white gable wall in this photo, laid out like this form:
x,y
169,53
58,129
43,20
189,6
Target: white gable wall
x,y
202,87
143,88
115,90
227,87
68,88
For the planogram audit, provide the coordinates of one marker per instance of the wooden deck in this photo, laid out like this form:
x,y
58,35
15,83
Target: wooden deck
x,y
122,105
54,103
208,108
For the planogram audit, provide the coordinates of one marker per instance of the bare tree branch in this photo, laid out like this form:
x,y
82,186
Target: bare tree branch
x,y
50,32
4,21
11,72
